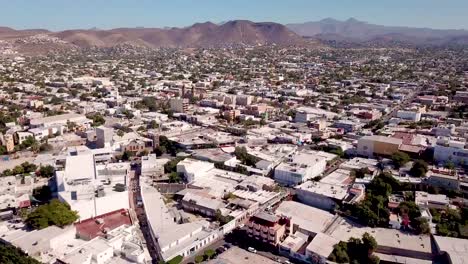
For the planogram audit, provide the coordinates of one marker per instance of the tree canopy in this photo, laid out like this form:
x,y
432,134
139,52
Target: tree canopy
x,y
400,159
356,250
13,255
244,157
419,169
53,213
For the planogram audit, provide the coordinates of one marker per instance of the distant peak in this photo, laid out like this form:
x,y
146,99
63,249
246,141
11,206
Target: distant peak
x,y
207,23
329,20
353,20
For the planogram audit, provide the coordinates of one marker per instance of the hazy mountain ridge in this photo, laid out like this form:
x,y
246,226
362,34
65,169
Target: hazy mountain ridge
x,y
353,30
197,35
238,32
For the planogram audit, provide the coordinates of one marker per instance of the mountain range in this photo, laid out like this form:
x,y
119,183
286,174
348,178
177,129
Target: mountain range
x,y
238,32
353,30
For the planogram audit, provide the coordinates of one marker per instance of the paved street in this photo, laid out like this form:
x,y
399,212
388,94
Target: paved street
x,y
138,212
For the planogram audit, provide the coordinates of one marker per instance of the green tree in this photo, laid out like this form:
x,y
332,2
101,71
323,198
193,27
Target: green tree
x,y
98,119
171,166
53,213
43,193
176,260
46,171
28,167
209,253
153,124
174,177
421,225
355,250
13,255
247,159
362,172
419,169
3,150
199,259
18,170
127,155
449,165
400,159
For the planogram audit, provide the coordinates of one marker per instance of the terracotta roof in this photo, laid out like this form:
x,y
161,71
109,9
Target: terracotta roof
x,y
90,228
406,137
411,148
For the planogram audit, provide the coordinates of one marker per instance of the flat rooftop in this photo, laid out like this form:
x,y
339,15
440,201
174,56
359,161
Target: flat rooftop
x,y
386,237
236,255
456,248
56,118
170,233
322,244
80,167
338,177
334,191
306,217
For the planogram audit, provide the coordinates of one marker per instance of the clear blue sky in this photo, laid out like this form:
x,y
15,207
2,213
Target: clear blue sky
x,y
72,14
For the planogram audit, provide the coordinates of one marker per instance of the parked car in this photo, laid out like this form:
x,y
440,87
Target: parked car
x,y
227,246
220,250
251,249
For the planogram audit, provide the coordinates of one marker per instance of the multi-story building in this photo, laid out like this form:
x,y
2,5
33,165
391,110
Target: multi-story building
x,y
461,96
447,150
426,200
256,110
321,194
179,105
409,115
348,125
9,142
378,145
104,136
243,100
269,228
61,120
299,167
443,179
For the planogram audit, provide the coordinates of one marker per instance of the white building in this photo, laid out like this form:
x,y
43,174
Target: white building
x,y
93,189
178,105
451,150
152,166
321,194
244,100
190,168
61,120
104,136
427,201
299,167
173,238
409,115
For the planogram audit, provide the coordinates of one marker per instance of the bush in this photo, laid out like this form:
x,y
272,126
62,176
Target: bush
x,y
176,260
199,259
209,253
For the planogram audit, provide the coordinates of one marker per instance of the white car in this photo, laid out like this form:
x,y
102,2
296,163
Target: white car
x,y
251,249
